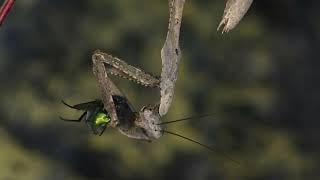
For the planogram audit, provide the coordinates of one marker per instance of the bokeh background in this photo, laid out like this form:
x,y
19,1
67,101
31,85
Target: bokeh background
x,y
261,80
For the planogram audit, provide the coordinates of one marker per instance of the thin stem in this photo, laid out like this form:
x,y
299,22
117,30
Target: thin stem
x,y
5,9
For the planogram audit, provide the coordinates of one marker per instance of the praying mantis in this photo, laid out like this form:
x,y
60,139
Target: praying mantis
x,y
114,110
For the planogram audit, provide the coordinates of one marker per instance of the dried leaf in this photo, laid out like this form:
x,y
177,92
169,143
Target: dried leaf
x,y
233,13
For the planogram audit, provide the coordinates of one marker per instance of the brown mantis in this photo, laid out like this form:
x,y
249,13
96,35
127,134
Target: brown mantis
x,y
115,111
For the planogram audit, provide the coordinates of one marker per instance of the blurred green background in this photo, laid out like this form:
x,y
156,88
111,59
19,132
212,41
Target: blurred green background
x,y
261,80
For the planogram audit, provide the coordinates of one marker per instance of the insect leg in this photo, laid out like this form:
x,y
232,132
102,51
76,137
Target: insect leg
x,y
83,106
74,120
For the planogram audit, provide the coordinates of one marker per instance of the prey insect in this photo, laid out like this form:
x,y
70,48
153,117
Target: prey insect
x,y
114,109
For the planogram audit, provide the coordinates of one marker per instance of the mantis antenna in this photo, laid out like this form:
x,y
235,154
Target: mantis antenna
x,y
203,145
187,118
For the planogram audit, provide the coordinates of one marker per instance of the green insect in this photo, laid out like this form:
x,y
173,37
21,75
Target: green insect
x,y
95,116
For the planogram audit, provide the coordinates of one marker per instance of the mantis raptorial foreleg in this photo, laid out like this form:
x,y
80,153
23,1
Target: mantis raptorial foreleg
x,y
118,67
